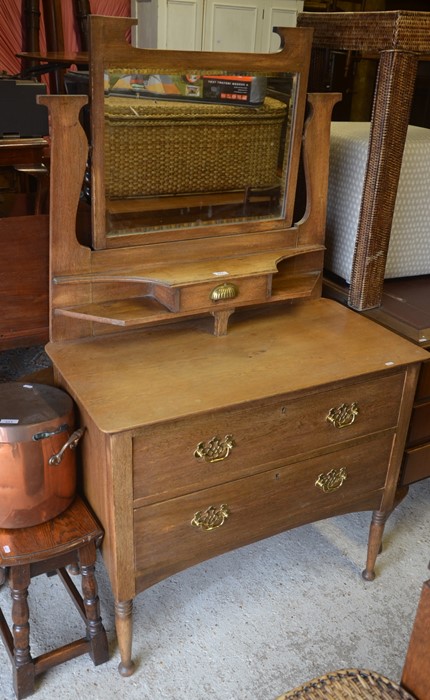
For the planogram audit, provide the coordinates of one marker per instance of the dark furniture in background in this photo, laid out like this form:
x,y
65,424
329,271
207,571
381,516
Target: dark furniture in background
x,y
24,236
52,17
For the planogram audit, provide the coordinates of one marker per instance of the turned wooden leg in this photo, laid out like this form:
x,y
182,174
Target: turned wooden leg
x,y
96,633
375,543
2,575
124,631
23,667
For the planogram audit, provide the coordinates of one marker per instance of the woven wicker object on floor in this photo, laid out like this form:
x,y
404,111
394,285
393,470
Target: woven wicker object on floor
x,y
349,684
213,147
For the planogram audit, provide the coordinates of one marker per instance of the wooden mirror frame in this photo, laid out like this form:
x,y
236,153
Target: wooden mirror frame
x,y
211,272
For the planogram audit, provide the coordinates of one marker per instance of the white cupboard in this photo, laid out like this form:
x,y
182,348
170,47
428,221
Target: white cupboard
x,y
213,25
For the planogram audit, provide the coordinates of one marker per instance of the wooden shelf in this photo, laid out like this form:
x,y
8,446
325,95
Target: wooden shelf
x,y
132,313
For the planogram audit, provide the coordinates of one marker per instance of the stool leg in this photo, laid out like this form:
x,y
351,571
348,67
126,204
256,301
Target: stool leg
x,y
96,633
23,667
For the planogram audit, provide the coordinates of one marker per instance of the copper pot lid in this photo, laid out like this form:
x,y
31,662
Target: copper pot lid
x,y
28,410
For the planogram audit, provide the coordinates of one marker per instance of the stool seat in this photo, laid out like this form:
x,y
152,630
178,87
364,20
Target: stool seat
x,y
70,538
68,531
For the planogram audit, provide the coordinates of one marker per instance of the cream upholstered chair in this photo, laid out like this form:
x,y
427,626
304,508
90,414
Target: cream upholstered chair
x,y
359,684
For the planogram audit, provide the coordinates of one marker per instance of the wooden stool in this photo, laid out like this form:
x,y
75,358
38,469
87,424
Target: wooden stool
x,y
70,538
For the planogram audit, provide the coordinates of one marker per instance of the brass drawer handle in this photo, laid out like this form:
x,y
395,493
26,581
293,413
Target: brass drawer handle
x,y
211,518
224,291
216,450
343,415
332,481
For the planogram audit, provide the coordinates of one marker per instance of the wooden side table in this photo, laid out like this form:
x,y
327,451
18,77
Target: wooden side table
x,y
69,539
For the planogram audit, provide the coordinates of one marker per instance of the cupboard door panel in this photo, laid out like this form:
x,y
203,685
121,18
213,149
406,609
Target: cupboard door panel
x,y
232,26
180,25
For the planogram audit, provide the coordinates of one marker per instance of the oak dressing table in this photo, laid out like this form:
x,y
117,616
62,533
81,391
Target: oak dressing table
x,y
224,401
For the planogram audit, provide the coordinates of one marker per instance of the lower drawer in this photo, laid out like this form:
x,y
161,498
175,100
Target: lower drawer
x,y
170,536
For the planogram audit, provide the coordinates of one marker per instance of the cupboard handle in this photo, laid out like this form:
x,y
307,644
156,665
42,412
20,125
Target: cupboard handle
x,y
216,450
211,518
332,480
343,415
224,291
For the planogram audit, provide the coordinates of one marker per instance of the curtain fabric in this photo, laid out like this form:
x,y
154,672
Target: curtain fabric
x,y
11,28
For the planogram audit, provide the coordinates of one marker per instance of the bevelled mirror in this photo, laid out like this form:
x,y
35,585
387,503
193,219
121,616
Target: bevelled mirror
x,y
192,144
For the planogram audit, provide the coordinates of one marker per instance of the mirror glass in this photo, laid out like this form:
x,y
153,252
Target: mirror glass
x,y
195,148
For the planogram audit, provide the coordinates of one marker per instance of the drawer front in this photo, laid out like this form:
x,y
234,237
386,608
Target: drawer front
x,y
419,429
423,388
227,294
416,465
167,457
166,541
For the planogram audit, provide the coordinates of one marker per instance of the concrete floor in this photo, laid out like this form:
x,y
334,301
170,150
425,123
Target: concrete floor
x,y
253,623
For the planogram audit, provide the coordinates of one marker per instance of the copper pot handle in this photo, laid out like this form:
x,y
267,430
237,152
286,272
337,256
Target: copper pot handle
x,y
71,443
50,433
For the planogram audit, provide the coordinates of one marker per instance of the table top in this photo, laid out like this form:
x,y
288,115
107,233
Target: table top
x,y
66,58
23,151
137,378
403,30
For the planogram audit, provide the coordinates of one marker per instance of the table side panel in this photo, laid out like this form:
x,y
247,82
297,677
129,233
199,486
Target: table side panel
x,y
105,477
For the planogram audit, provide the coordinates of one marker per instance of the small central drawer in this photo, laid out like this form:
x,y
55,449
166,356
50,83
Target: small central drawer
x,y
195,453
229,293
181,532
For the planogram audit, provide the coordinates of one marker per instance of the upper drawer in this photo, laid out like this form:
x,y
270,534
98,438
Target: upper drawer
x,y
198,452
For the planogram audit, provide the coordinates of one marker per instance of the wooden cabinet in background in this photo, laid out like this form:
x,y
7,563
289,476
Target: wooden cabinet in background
x,y
24,240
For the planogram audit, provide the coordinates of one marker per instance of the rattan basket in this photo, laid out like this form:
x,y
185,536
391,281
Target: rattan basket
x,y
351,684
155,147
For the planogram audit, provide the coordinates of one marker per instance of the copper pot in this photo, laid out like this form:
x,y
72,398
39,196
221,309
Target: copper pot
x,y
37,457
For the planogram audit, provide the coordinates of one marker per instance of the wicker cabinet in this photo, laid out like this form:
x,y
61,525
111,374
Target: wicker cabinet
x,y
213,25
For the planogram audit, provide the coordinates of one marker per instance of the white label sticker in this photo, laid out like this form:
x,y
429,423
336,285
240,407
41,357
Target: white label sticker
x,y
6,549
388,364
222,273
9,421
